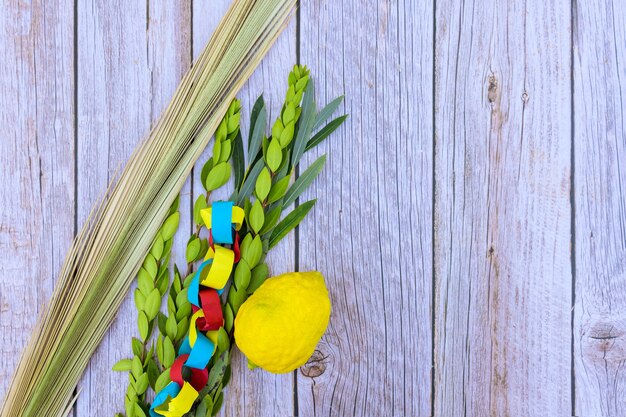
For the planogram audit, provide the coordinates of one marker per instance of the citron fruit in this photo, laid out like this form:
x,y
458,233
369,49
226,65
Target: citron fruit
x,y
278,327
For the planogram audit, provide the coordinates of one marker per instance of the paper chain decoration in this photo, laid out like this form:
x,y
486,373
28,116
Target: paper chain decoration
x,y
223,220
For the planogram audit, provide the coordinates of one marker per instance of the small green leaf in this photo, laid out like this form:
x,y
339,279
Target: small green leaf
x,y
136,367
169,353
161,322
242,274
223,342
162,380
159,348
171,327
162,282
181,328
278,189
200,204
123,365
218,176
250,182
142,384
144,282
271,218
286,136
229,318
304,180
193,250
139,411
150,265
142,324
253,252
236,297
274,155
290,222
326,112
169,226
153,303
183,311
140,299
259,275
263,184
157,247
305,125
153,372
257,217
325,132
206,168
137,347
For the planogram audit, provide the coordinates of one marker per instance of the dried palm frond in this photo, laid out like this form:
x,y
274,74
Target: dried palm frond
x,y
108,251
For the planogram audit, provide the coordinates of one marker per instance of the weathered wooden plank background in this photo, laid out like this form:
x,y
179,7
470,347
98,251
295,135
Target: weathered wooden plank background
x,y
471,221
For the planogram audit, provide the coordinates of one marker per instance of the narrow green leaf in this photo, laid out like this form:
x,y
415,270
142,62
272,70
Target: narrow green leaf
x,y
250,182
239,162
304,180
325,131
305,124
123,365
257,132
254,114
290,222
326,112
218,176
218,404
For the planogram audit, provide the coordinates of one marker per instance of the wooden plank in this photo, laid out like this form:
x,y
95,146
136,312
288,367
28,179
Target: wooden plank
x,y
130,59
600,208
36,164
253,393
371,231
502,210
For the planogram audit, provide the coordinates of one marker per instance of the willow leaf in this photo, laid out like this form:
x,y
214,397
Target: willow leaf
x,y
250,182
305,125
325,131
239,162
258,122
326,112
292,220
304,180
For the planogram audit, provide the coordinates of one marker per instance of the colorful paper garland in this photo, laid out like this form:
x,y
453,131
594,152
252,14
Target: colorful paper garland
x,y
223,220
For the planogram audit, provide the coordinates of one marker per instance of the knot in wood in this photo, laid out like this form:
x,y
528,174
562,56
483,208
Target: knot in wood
x,y
315,366
492,90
